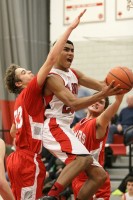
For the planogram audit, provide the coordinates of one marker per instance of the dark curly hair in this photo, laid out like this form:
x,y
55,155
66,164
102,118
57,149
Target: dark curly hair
x,y
106,102
10,79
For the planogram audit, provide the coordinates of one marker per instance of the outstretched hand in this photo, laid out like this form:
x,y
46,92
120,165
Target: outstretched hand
x,y
75,23
111,90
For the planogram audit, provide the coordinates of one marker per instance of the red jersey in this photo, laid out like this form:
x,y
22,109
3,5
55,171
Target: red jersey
x,y
29,118
85,131
25,168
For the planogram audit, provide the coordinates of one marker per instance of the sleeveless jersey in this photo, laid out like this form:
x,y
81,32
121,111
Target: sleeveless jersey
x,y
29,118
54,106
58,137
85,131
127,197
25,168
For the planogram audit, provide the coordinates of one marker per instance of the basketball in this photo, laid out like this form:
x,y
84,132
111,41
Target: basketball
x,y
121,75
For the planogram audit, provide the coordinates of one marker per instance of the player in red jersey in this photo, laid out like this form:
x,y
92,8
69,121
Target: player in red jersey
x,y
92,132
25,169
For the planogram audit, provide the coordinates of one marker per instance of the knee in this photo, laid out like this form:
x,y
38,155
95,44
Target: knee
x,y
88,161
85,161
102,176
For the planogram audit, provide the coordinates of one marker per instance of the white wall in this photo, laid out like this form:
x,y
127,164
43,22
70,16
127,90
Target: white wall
x,y
109,28
98,46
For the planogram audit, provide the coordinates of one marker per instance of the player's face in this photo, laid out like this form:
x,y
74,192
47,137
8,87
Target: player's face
x,y
25,76
130,186
66,57
97,107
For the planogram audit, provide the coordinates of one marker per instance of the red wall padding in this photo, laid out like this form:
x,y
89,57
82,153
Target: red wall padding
x,y
6,108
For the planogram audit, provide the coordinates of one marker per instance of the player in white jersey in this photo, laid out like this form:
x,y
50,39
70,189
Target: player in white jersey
x,y
64,117
61,100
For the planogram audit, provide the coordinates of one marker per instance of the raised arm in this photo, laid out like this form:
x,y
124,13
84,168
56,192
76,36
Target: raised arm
x,y
104,119
56,49
5,190
89,82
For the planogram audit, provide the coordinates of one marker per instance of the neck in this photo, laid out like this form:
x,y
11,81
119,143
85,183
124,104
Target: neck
x,y
61,68
92,115
89,116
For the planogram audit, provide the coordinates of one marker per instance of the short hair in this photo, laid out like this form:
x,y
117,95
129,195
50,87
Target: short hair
x,y
68,42
129,179
10,79
106,102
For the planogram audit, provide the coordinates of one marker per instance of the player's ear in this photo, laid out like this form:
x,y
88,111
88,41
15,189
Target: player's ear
x,y
18,83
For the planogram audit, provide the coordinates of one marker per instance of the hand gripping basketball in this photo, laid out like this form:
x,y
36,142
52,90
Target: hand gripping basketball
x,y
121,75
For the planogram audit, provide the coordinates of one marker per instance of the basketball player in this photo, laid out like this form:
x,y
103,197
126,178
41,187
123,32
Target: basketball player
x,y
60,99
92,132
128,195
5,190
25,169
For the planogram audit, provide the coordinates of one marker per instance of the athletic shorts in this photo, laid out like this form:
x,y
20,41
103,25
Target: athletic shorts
x,y
102,193
61,141
26,173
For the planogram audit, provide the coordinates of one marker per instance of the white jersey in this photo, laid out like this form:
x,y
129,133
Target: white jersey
x,y
54,106
58,137
127,197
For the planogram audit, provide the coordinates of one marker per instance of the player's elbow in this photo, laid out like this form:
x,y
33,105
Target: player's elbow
x,y
13,133
73,105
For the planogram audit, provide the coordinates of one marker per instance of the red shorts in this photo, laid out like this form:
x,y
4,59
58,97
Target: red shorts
x,y
103,192
26,173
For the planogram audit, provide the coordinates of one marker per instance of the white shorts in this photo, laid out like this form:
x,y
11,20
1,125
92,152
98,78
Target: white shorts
x,y
61,141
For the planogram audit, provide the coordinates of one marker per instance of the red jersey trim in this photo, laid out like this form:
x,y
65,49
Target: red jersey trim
x,y
47,99
74,73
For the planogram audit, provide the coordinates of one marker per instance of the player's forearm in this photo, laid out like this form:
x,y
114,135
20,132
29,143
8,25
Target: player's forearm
x,y
52,56
56,50
111,111
5,191
80,103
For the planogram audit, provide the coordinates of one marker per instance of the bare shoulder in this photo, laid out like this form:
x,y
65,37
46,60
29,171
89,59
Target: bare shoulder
x,y
53,78
53,83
